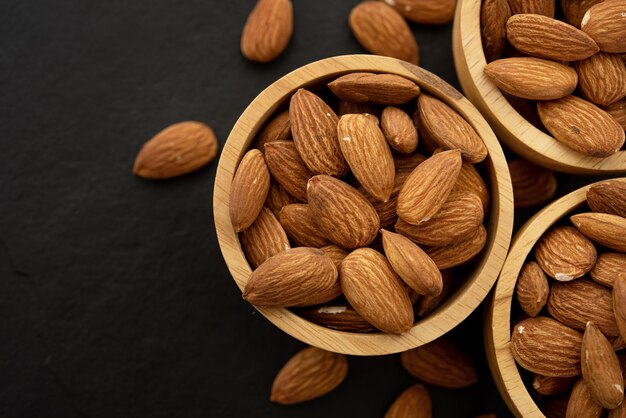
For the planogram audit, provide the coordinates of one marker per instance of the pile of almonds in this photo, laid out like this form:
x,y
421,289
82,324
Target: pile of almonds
x,y
573,295
574,70
330,206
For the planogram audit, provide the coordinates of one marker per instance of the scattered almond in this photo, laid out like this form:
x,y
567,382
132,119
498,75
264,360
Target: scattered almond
x,y
249,190
427,12
414,402
267,30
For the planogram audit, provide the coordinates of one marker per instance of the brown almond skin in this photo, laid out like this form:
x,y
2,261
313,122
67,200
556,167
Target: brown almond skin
x,y
493,17
414,402
544,37
469,180
605,229
581,403
602,372
602,78
425,305
532,288
267,30
574,10
365,148
538,7
619,412
346,107
605,23
555,406
300,225
383,31
412,264
385,89
460,252
565,254
341,317
285,164
545,385
449,129
249,190
440,363
618,111
399,130
608,268
343,214
277,129
407,162
428,187
426,12
387,210
296,277
264,239
608,197
532,184
309,374
335,253
556,345
580,301
532,78
278,197
619,304
375,292
314,131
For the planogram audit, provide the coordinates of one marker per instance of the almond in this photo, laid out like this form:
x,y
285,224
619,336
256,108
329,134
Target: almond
x,y
544,37
582,126
565,254
341,317
249,190
412,264
532,78
365,149
619,304
178,149
460,252
459,216
264,238
414,402
602,372
314,130
278,197
335,253
301,226
618,343
578,302
375,292
385,89
383,31
581,404
608,197
619,412
469,180
346,108
555,406
608,268
538,7
399,130
618,111
309,374
532,184
605,229
440,363
602,78
387,210
287,167
267,30
428,187
277,129
449,129
425,305
574,10
547,347
493,17
532,288
343,214
546,385
296,277
427,12
407,162
606,23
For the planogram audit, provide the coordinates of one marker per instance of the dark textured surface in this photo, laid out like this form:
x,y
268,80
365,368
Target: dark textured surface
x,y
114,298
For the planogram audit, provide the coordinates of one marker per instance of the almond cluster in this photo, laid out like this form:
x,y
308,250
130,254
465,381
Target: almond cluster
x,y
568,78
341,216
573,295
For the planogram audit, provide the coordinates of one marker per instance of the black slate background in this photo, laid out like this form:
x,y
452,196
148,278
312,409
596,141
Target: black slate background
x,y
114,298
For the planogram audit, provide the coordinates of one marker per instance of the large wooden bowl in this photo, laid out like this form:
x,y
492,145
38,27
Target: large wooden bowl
x,y
499,227
498,322
517,133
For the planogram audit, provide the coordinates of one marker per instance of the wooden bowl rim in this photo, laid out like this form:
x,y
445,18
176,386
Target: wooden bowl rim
x,y
519,134
463,302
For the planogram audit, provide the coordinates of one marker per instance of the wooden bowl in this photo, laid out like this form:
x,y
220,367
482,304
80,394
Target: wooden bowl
x,y
516,133
498,321
499,227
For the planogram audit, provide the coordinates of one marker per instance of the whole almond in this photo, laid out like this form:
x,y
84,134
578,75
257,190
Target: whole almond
x,y
285,164
387,210
602,372
578,302
249,190
532,184
267,30
619,304
608,197
342,214
407,162
264,238
425,305
618,111
546,385
459,216
428,187
399,130
581,403
341,317
440,363
532,78
314,130
375,292
460,252
301,226
412,264
544,37
574,10
178,149
608,268
582,126
493,17
414,402
606,24
385,89
605,229
365,149
335,253
296,277
426,12
557,345
602,78
277,129
538,7
383,31
532,288
469,180
565,254
278,197
346,107
449,129
309,374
